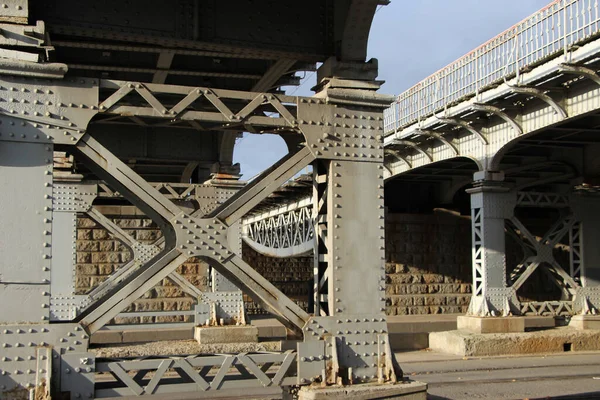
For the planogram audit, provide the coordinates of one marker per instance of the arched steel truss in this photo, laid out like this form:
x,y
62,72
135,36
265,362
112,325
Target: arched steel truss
x,y
286,231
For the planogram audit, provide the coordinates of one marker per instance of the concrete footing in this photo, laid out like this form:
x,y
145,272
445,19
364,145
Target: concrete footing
x,y
585,322
410,390
490,324
555,340
226,334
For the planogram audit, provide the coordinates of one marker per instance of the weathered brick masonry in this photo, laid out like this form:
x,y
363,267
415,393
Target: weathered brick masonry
x,y
428,265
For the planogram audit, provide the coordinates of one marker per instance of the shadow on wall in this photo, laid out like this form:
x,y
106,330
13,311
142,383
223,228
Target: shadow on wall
x,y
99,255
539,286
428,263
293,276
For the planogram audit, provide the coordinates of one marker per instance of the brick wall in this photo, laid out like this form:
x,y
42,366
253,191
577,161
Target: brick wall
x,y
428,263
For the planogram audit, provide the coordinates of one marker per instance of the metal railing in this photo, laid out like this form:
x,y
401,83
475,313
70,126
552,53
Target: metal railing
x,y
546,34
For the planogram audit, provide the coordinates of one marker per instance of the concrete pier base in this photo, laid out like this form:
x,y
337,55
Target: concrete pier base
x,y
226,334
585,322
490,324
557,340
410,390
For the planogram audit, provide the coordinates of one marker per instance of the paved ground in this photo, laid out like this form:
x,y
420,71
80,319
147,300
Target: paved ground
x,y
558,376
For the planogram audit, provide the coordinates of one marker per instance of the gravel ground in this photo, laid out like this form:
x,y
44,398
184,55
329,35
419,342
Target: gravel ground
x,y
181,347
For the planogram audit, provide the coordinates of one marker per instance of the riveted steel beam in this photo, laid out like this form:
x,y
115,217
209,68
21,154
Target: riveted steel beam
x,y
166,214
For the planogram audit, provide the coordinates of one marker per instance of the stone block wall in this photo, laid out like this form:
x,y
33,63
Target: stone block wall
x,y
428,263
293,276
428,266
99,255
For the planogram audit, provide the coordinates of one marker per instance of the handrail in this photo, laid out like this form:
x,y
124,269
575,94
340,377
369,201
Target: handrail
x,y
546,34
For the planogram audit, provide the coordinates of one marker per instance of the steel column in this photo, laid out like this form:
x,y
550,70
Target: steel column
x,y
585,258
491,204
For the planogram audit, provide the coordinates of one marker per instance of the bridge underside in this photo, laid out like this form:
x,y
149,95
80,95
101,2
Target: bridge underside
x,y
128,97
517,154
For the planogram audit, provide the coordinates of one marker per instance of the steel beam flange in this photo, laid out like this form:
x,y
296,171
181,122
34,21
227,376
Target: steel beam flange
x,y
540,94
500,113
580,70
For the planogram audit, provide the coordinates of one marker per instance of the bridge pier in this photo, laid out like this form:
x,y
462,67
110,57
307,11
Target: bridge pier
x,y
491,204
349,256
496,288
585,260
347,342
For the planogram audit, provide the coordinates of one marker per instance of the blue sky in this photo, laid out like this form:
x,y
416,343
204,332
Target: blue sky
x,y
411,39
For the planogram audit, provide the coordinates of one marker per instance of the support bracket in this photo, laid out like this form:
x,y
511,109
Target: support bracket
x,y
488,108
414,146
540,94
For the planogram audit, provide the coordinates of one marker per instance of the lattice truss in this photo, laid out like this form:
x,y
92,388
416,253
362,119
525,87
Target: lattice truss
x,y
186,106
491,296
477,240
285,232
343,129
137,377
538,253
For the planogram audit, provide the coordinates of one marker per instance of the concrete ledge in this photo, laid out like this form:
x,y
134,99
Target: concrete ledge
x,y
106,337
269,328
411,332
585,322
226,334
410,390
555,340
143,335
490,324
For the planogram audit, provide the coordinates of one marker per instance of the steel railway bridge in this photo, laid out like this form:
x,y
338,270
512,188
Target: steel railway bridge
x,y
150,98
